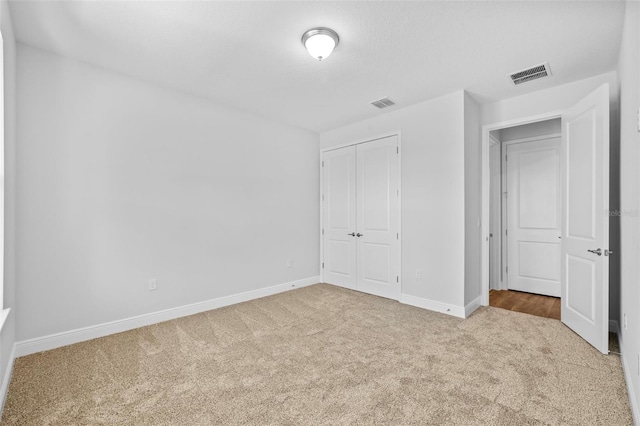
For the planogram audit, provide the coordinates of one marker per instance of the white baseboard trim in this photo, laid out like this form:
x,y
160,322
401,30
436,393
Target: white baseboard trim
x,y
626,368
472,306
7,379
52,341
432,305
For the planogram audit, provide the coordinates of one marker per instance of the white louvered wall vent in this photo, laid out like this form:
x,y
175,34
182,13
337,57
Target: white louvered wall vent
x,y
533,73
383,103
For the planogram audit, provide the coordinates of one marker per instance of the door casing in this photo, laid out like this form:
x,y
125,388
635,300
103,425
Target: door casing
x,y
484,221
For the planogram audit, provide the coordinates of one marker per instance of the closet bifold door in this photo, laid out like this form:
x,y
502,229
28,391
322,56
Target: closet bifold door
x,y
339,216
361,217
378,218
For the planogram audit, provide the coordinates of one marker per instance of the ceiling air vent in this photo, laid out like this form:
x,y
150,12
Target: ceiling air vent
x,y
532,73
383,103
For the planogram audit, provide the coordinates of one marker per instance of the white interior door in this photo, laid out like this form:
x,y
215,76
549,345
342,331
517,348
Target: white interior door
x,y
585,262
378,211
533,216
339,216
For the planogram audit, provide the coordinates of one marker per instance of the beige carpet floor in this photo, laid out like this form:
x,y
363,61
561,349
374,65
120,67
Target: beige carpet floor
x,y
323,355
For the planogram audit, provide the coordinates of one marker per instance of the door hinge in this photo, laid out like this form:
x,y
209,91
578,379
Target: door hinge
x,y
397,150
506,232
322,265
322,231
506,269
397,279
397,235
323,164
397,192
506,158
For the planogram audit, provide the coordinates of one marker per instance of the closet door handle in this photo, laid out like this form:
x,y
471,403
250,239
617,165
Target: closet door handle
x,y
353,234
359,235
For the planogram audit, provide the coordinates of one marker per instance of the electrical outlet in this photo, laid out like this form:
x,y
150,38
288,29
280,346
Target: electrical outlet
x,y
289,264
624,320
418,274
153,284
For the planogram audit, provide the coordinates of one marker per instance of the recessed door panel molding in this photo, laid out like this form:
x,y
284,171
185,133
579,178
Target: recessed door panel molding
x,y
581,176
340,258
580,298
340,171
585,265
374,185
539,260
533,211
539,189
376,267
361,217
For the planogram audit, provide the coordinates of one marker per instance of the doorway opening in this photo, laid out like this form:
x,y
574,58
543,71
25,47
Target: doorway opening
x,y
524,217
584,244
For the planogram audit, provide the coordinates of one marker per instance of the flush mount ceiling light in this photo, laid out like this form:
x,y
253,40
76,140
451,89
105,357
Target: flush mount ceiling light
x,y
320,42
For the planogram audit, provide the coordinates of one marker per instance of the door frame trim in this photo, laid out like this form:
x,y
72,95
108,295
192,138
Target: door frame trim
x,y
486,183
493,141
398,134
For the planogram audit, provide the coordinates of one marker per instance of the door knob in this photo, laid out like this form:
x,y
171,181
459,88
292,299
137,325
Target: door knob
x,y
598,252
359,234
353,234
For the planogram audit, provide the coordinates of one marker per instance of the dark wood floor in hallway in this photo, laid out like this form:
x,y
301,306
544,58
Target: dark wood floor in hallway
x,y
528,303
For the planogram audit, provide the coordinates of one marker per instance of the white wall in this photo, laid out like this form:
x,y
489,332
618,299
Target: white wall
x,y
433,192
472,199
629,72
120,181
538,128
7,337
543,101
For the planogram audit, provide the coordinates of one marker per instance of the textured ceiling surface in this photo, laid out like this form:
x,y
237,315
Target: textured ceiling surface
x,y
248,55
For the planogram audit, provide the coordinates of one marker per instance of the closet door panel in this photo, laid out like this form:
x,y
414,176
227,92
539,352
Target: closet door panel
x,y
378,217
339,216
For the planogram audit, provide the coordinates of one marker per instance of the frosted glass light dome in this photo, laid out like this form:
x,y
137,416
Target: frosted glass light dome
x,y
320,42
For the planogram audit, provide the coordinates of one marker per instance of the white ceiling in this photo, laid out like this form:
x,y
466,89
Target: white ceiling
x,y
248,55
